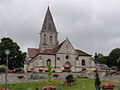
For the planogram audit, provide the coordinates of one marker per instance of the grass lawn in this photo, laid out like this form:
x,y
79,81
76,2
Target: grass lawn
x,y
81,84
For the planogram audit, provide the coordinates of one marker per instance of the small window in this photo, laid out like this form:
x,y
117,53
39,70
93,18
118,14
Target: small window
x,y
77,58
51,39
58,58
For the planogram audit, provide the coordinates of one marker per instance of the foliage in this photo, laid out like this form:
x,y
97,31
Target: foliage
x,y
113,57
70,79
16,57
97,80
98,58
103,60
49,72
18,70
114,68
2,69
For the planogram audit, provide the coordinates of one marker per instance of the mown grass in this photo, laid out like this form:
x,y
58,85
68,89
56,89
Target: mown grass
x,y
81,84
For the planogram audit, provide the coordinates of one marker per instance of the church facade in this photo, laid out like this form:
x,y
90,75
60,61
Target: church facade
x,y
61,55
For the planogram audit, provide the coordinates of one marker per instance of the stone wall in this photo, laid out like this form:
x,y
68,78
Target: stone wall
x,y
29,77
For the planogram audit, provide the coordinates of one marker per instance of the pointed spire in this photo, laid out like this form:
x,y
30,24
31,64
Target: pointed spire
x,y
48,24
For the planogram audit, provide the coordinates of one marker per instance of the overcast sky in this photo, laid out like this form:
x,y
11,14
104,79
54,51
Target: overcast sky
x,y
91,25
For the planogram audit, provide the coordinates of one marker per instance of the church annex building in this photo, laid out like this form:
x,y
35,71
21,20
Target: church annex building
x,y
61,55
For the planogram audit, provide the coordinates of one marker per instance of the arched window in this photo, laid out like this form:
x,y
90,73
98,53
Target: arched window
x,y
44,38
51,39
48,61
83,62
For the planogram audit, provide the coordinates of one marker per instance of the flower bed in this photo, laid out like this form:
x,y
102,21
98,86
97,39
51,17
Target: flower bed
x,y
46,70
30,70
66,70
11,71
20,76
83,69
49,88
4,89
107,86
55,75
68,84
41,69
95,70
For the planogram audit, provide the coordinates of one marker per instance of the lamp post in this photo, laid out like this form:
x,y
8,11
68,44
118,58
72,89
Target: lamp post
x,y
7,52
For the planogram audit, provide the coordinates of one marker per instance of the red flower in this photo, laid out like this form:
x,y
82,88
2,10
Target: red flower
x,y
66,70
49,87
55,75
45,70
29,70
4,89
108,86
41,69
83,69
95,70
20,76
11,71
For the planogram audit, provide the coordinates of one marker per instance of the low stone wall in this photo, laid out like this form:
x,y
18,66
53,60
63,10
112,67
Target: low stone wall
x,y
29,77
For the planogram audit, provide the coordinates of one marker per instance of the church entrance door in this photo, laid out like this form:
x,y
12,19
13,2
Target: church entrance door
x,y
67,65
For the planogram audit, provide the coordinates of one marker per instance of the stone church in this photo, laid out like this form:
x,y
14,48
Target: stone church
x,y
61,55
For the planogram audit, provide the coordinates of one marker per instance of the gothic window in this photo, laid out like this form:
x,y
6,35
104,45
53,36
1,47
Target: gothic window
x,y
67,57
51,39
48,61
83,62
44,38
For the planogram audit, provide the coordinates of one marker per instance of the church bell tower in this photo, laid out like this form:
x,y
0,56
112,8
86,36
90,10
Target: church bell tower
x,y
48,34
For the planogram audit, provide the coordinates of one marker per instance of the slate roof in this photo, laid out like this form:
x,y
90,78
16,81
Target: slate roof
x,y
48,24
33,52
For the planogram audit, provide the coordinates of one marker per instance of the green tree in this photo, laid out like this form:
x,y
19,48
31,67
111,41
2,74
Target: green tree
x,y
97,81
103,60
113,57
49,72
16,57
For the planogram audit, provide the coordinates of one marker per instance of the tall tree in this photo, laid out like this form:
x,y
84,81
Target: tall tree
x,y
113,57
16,57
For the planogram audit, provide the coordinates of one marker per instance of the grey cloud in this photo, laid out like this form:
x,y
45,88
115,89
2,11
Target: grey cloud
x,y
91,25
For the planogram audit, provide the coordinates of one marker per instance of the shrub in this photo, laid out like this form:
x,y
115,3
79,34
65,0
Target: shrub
x,y
3,69
70,81
114,68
